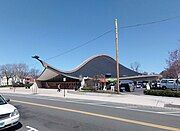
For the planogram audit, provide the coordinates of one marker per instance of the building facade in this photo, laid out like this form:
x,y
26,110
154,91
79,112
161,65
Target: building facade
x,y
97,65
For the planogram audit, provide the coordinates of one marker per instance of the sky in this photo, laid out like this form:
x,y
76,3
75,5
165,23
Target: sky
x,y
50,27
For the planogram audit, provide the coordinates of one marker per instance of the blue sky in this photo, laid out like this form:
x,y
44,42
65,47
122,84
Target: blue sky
x,y
50,27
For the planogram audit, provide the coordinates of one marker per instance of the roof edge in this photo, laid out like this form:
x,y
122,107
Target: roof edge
x,y
85,62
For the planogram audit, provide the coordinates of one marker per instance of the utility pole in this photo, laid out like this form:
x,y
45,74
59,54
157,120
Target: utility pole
x,y
117,63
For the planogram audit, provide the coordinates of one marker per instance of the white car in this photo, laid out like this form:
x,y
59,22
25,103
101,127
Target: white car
x,y
169,84
9,115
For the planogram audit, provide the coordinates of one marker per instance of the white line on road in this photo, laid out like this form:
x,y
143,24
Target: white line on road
x,y
99,104
171,112
31,128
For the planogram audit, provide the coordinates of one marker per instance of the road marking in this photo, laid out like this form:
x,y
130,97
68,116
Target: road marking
x,y
99,104
170,112
31,128
103,116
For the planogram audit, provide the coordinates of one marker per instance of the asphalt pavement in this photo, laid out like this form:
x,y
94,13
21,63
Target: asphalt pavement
x,y
40,113
136,98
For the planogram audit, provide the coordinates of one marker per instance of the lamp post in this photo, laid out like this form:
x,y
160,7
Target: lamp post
x,y
64,80
178,81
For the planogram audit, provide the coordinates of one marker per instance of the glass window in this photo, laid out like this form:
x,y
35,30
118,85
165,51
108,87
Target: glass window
x,y
164,81
171,81
2,101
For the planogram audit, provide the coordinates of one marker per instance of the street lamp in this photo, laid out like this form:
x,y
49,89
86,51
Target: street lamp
x,y
64,80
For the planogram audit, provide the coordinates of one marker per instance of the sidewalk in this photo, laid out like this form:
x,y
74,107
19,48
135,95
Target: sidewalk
x,y
143,100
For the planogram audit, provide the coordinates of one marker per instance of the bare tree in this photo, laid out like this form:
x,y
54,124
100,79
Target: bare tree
x,y
144,73
34,73
173,65
17,72
7,71
152,73
135,66
20,70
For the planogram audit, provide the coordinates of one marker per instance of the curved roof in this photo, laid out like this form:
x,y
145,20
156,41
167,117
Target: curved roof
x,y
101,64
84,63
96,65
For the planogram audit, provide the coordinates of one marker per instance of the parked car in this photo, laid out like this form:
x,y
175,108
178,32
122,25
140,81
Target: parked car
x,y
169,84
158,84
9,115
127,85
139,85
155,84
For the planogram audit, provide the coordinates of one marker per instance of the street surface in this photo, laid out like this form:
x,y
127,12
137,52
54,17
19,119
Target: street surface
x,y
40,113
135,98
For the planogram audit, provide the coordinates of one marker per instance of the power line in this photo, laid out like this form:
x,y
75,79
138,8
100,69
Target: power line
x,y
107,32
79,46
150,23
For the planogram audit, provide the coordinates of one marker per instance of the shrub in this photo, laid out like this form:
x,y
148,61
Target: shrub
x,y
91,89
88,89
168,93
18,84
27,86
109,92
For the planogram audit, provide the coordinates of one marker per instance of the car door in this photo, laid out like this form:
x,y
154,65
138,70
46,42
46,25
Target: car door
x,y
170,84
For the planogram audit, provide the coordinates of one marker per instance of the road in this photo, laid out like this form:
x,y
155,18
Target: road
x,y
57,114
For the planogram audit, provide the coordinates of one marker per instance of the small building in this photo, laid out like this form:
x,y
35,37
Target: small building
x,y
3,81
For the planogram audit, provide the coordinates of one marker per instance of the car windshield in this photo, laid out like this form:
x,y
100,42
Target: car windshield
x,y
163,81
2,101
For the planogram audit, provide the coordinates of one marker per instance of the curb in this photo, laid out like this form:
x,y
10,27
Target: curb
x,y
172,106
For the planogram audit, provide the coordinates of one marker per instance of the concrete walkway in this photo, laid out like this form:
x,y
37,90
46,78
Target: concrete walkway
x,y
143,100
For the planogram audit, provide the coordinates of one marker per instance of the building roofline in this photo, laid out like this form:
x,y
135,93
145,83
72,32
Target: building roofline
x,y
66,73
85,62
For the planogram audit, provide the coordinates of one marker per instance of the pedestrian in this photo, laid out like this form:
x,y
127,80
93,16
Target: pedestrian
x,y
59,88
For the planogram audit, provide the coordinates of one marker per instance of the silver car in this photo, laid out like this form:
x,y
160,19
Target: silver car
x,y
169,84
